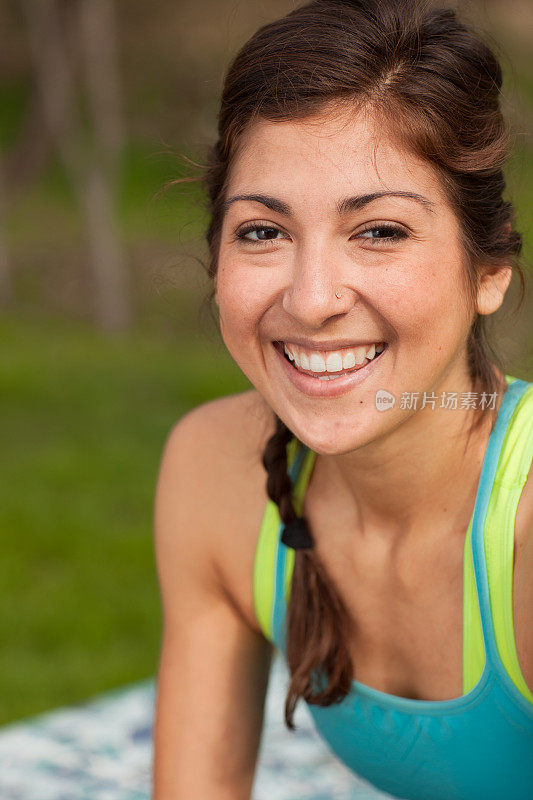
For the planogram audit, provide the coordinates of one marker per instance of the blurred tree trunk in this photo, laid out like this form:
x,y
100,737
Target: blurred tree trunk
x,y
98,41
105,249
5,276
98,46
31,150
91,159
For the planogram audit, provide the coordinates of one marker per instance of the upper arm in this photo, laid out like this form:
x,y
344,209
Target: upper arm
x,y
213,668
523,609
523,581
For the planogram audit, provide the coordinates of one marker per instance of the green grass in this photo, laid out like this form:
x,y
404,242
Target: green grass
x,y
86,417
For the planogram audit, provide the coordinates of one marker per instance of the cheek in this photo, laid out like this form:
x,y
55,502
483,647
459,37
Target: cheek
x,y
426,303
242,300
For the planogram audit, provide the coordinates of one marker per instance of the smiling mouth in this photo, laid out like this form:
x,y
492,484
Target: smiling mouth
x,y
325,375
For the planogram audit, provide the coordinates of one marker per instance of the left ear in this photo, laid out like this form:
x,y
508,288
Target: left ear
x,y
491,290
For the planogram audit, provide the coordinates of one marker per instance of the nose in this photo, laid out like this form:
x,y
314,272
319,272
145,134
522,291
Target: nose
x,y
311,295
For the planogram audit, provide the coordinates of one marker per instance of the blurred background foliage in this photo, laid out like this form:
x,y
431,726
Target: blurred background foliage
x,y
106,337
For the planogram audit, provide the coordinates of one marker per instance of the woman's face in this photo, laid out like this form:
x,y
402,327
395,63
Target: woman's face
x,y
320,224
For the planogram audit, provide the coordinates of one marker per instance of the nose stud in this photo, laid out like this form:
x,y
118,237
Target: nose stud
x,y
338,294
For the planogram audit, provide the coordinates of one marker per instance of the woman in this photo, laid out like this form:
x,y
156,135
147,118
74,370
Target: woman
x,y
359,240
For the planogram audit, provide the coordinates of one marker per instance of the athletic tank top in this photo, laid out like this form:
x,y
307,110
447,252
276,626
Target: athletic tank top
x,y
475,747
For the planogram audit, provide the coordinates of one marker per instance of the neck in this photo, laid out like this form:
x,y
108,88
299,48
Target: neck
x,y
420,477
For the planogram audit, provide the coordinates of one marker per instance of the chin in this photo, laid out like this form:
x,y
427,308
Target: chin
x,y
338,440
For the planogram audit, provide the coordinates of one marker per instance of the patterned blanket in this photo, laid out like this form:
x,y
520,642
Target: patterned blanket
x,y
102,750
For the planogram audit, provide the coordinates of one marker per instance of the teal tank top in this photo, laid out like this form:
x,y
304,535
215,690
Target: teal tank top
x,y
478,746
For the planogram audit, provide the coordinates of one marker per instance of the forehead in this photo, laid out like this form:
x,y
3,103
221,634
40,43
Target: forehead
x,y
328,155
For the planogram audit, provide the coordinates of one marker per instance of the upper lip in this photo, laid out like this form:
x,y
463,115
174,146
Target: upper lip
x,y
323,344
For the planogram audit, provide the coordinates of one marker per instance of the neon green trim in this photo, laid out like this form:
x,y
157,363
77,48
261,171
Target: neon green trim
x,y
264,568
511,475
473,646
265,558
513,468
298,497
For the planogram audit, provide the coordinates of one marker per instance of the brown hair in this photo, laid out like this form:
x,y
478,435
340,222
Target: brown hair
x,y
413,62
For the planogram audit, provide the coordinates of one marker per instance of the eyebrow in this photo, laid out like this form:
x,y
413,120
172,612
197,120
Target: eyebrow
x,y
343,207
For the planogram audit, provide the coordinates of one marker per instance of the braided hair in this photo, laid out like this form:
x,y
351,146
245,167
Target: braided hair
x,y
312,648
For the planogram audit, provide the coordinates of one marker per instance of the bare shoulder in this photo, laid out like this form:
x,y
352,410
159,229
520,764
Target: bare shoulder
x,y
524,514
523,580
223,439
243,419
222,442
523,598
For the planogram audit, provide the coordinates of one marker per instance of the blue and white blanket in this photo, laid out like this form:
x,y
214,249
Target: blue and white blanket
x,y
102,750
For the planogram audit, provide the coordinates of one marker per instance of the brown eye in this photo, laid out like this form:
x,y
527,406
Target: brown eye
x,y
385,233
263,233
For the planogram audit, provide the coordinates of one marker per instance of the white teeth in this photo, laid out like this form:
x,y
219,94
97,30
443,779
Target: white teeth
x,y
317,363
360,354
288,352
334,362
348,361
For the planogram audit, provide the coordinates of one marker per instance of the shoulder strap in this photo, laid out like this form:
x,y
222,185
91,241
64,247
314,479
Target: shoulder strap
x,y
488,511
473,649
511,475
300,474
267,555
305,469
